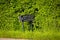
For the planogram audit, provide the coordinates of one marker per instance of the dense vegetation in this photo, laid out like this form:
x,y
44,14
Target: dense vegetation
x,y
47,18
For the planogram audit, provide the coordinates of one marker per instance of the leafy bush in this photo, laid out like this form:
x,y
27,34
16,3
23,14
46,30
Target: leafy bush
x,y
47,16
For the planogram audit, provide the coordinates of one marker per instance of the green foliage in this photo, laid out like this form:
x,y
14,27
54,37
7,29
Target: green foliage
x,y
46,18
36,35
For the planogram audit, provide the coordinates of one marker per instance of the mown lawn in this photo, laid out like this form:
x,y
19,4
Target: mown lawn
x,y
36,35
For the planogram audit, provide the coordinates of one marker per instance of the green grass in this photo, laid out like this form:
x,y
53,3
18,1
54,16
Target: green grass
x,y
49,35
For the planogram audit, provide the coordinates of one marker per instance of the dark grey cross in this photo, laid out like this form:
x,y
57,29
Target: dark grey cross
x,y
27,18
